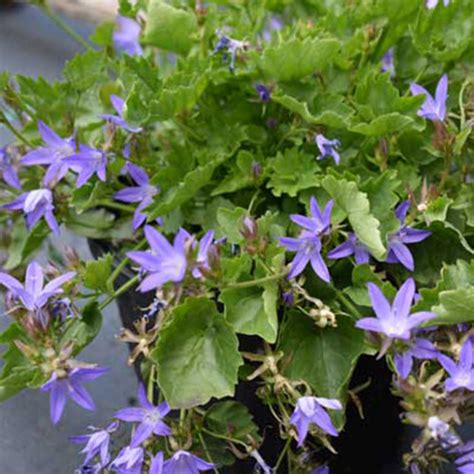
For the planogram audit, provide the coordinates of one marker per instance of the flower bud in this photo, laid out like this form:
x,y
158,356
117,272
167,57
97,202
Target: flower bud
x,y
249,228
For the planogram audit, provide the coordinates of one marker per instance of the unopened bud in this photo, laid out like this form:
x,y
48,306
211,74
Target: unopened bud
x,y
249,228
71,256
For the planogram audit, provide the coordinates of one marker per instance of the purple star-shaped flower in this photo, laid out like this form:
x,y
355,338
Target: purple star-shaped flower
x,y
53,154
35,205
308,249
185,463
461,375
97,444
421,349
8,171
87,162
165,262
129,461
156,466
127,36
318,222
321,470
263,92
310,410
69,385
394,321
430,4
328,148
433,108
387,63
143,193
274,24
465,461
352,246
398,252
33,295
119,105
230,47
202,259
149,416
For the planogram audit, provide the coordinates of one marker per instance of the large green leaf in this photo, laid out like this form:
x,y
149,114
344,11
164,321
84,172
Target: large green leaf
x,y
253,310
296,58
170,28
324,358
356,205
197,355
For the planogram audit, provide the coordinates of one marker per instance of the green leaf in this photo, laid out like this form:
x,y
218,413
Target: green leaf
x,y
97,272
456,306
324,358
186,190
170,28
296,58
293,171
86,70
230,223
384,125
85,197
19,379
233,420
24,242
197,355
357,207
82,331
253,310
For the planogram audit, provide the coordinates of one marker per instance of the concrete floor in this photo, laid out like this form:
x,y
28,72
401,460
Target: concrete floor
x,y
30,44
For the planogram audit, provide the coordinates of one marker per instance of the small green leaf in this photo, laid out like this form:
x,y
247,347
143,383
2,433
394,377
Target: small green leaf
x,y
170,28
197,355
86,70
82,331
357,207
230,223
384,125
97,272
233,420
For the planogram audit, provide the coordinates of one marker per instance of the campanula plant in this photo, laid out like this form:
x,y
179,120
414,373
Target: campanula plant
x,y
288,187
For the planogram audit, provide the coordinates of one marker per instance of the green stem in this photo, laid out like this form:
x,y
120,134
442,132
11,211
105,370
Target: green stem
x,y
207,452
346,302
257,282
133,281
225,438
282,455
115,205
56,19
150,383
6,122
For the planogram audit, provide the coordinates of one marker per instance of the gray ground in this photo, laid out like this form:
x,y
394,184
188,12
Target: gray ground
x,y
31,45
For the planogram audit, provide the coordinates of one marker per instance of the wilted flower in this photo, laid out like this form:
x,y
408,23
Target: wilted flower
x,y
165,262
96,443
202,259
398,252
461,375
35,205
310,410
143,193
441,432
127,36
69,384
119,105
230,47
433,108
87,162
328,148
421,349
32,294
263,92
394,321
352,246
430,4
129,461
185,463
149,416
387,63
53,154
8,171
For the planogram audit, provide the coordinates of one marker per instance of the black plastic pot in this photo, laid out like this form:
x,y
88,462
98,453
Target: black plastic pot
x,y
371,445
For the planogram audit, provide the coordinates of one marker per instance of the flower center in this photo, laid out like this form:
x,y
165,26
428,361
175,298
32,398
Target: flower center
x,y
152,417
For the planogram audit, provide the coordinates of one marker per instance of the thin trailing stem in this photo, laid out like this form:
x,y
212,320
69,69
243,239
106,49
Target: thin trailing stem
x,y
6,122
282,454
130,283
347,303
257,282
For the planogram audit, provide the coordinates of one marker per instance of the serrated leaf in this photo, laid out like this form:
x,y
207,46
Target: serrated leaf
x,y
324,358
97,272
86,70
83,330
170,28
197,355
384,125
357,207
230,223
297,58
